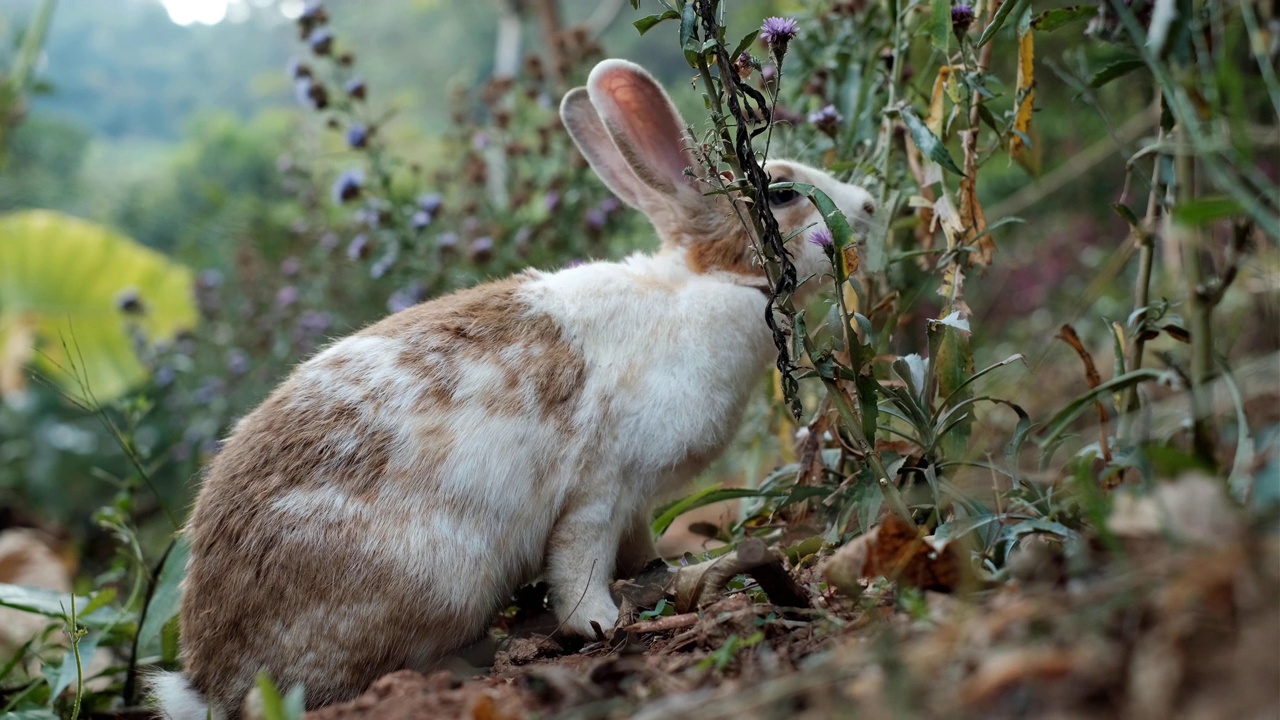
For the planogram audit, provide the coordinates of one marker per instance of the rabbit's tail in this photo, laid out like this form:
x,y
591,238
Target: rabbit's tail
x,y
175,697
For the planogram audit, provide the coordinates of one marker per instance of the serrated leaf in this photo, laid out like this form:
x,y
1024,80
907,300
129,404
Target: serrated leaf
x,y
928,143
1051,20
1116,69
646,23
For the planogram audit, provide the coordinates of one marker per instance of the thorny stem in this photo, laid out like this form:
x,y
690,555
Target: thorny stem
x,y
779,268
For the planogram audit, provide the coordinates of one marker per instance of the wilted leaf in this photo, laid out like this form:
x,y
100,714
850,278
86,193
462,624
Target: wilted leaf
x,y
899,551
1026,92
937,104
1068,335
61,282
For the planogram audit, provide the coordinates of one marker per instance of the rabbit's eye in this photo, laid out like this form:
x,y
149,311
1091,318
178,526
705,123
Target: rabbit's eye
x,y
782,196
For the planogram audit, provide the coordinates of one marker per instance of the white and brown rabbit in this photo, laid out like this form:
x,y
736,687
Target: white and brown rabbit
x,y
378,508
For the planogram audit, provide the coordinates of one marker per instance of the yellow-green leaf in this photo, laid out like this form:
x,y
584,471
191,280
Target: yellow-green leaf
x,y
62,283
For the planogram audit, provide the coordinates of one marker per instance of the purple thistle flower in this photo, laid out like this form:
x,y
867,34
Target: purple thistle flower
x,y
355,87
777,32
286,296
311,93
595,218
237,361
482,249
430,203
298,69
405,298
447,242
321,41
348,185
314,322
358,136
610,205
420,219
359,247
552,200
290,266
313,10
827,120
382,265
961,18
821,237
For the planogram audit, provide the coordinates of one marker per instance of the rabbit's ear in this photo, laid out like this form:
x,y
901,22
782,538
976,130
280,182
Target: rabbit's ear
x,y
647,131
589,134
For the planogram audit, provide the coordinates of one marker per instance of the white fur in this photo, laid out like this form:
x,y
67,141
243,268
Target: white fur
x,y
176,698
669,357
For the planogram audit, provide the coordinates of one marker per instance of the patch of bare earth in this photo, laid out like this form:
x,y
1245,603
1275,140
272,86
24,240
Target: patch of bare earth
x,y
1158,630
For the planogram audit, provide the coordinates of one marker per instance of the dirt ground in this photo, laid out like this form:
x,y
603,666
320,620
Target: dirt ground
x,y
1160,627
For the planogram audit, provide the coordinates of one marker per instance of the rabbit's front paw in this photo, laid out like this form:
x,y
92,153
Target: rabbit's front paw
x,y
592,613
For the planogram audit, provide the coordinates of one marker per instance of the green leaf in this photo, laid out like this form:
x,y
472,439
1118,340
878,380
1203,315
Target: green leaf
x,y
1064,417
646,23
1051,20
940,24
54,604
713,494
88,646
40,714
1006,9
275,707
688,21
167,596
1203,211
61,280
963,526
929,144
745,43
1116,69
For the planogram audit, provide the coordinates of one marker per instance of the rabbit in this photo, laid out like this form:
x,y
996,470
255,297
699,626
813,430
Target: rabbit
x,y
382,504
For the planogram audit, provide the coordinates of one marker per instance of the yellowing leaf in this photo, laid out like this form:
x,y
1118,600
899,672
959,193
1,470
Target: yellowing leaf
x,y
1025,94
61,284
937,107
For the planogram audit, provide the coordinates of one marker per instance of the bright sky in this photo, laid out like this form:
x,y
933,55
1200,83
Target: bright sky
x,y
212,12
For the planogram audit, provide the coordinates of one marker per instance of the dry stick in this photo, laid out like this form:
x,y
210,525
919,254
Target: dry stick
x,y
671,622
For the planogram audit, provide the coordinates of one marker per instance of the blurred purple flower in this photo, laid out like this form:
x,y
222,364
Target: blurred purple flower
x,y
358,136
480,140
313,10
329,241
209,279
777,32
447,241
420,219
575,262
129,302
595,218
348,185
209,389
610,205
299,69
406,297
290,266
553,200
768,73
481,249
430,203
827,120
237,361
961,18
382,265
286,296
359,247
313,322
165,376
355,87
321,41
